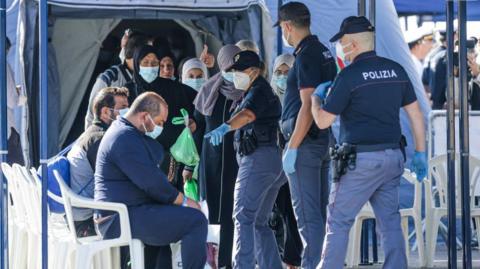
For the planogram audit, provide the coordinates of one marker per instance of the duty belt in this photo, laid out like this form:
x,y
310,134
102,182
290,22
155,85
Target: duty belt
x,y
376,147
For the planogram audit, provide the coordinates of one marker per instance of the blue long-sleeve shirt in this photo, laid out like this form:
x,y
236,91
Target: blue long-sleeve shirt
x,y
128,168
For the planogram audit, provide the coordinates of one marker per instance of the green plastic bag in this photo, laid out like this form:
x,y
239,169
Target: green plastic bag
x,y
184,149
190,189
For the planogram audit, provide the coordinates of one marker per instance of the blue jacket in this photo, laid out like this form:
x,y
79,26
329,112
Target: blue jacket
x,y
128,168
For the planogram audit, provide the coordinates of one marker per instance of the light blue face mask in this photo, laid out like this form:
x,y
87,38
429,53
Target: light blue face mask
x,y
173,78
122,112
281,82
149,74
228,76
157,130
195,83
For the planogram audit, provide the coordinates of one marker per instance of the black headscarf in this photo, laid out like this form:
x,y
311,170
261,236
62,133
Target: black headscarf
x,y
138,56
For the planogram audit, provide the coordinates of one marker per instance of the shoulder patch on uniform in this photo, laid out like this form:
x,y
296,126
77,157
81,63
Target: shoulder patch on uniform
x,y
327,54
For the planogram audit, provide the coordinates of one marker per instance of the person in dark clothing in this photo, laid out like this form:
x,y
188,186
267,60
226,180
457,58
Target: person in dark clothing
x,y
260,175
117,75
128,171
218,167
146,78
82,157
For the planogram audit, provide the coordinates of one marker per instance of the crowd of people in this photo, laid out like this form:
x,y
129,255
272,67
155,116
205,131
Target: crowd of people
x,y
428,49
263,147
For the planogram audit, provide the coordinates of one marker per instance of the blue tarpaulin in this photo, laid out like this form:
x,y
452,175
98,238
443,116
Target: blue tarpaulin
x,y
436,8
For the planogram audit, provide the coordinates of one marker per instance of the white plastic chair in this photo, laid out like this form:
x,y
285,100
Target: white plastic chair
x,y
86,248
353,256
18,244
436,202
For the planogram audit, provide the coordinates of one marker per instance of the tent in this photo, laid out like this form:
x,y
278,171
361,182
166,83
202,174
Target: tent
x,y
77,30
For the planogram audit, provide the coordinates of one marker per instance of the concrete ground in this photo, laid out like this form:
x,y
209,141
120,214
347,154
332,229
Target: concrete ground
x,y
441,259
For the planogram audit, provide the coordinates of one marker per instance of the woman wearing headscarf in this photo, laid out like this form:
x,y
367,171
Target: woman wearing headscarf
x,y
194,73
146,78
167,63
218,167
281,66
291,244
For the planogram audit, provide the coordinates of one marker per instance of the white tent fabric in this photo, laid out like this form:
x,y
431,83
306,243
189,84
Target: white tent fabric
x,y
77,44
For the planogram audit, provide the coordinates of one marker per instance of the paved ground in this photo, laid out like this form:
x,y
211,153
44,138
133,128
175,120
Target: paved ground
x,y
441,256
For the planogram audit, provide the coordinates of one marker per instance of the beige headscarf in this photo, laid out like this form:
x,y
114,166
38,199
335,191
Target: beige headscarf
x,y
287,59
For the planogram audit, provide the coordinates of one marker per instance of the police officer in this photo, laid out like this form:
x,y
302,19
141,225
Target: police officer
x,y
367,95
305,160
260,173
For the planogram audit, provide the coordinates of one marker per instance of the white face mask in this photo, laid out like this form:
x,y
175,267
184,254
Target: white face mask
x,y
241,80
285,41
121,55
340,54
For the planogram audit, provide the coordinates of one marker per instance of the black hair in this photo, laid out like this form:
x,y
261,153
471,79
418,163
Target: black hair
x,y
135,40
300,15
106,98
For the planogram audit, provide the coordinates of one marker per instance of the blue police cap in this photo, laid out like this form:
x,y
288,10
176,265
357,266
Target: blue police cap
x,y
352,25
245,59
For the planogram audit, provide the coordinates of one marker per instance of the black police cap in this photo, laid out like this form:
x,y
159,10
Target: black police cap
x,y
292,11
244,60
353,25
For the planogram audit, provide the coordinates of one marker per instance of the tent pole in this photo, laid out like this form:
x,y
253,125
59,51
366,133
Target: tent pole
x,y
362,7
452,246
279,32
3,136
43,53
464,136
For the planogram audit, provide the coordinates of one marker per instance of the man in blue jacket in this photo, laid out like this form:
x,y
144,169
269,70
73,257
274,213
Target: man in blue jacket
x,y
128,171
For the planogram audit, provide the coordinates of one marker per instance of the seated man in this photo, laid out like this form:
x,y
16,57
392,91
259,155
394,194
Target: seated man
x,y
128,171
106,107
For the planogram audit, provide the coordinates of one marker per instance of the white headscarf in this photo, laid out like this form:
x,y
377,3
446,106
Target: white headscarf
x,y
287,59
192,64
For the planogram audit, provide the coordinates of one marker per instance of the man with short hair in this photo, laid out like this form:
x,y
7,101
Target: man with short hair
x,y
128,171
107,105
305,160
117,75
368,160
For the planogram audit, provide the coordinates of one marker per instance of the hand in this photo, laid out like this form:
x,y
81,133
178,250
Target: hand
x,y
216,136
474,67
187,175
289,159
419,165
322,90
193,204
207,58
192,125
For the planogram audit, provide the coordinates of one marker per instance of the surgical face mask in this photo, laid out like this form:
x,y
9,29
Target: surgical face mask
x,y
285,41
340,54
195,83
241,81
122,112
228,76
281,82
149,74
157,130
121,55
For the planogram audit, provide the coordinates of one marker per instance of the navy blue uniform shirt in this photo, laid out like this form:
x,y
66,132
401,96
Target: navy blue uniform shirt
x,y
368,95
128,168
263,102
313,65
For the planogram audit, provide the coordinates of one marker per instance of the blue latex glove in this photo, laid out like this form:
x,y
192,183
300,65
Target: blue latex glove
x,y
322,90
216,136
419,165
289,159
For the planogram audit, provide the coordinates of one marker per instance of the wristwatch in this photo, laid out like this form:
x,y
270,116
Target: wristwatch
x,y
184,202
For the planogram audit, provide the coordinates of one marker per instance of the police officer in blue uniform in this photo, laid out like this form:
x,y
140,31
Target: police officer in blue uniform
x,y
260,173
305,160
368,163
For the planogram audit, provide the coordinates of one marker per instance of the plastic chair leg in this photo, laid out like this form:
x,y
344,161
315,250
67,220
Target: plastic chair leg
x,y
420,241
405,236
137,254
431,239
